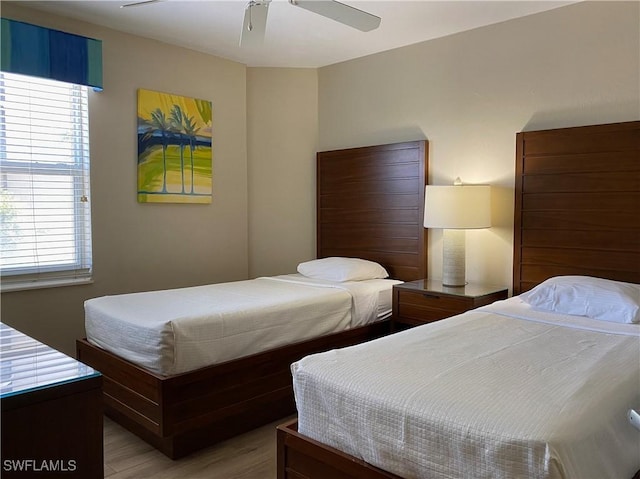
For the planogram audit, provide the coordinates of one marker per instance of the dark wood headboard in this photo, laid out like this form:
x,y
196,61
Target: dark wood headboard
x,y
370,205
577,204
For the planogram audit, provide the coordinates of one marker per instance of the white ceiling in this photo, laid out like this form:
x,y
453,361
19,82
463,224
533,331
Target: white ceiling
x,y
294,37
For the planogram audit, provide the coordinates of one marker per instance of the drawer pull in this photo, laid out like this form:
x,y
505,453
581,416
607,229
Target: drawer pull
x,y
430,295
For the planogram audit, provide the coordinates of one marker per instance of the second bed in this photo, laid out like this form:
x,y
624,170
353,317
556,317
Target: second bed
x,y
175,331
181,386
502,391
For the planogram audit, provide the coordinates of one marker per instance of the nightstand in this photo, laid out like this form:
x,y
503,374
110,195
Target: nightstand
x,y
424,301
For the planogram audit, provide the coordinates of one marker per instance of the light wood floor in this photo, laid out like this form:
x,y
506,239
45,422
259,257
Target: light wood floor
x,y
249,456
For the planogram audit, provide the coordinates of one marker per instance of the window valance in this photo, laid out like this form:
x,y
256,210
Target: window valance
x,y
42,52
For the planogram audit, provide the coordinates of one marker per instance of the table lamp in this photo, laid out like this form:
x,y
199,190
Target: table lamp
x,y
455,209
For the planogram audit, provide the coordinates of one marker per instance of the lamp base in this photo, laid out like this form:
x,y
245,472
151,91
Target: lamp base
x,y
453,258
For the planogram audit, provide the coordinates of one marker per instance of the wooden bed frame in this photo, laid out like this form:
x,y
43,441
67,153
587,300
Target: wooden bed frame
x,y
576,212
370,205
576,204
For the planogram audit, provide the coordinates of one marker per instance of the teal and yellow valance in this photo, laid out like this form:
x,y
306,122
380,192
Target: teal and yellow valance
x,y
42,52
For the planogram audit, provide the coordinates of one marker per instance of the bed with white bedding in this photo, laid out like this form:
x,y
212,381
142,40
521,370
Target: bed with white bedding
x,y
535,397
181,412
504,391
174,331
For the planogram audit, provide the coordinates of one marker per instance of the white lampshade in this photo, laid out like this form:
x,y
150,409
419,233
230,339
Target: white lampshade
x,y
457,207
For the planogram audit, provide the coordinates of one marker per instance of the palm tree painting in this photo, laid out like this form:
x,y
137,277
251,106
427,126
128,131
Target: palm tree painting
x,y
174,148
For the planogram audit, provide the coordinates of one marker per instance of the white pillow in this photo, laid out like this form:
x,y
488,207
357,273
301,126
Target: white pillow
x,y
342,269
595,298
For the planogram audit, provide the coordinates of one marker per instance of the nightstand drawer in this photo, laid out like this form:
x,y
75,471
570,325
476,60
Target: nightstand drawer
x,y
424,301
409,300
412,314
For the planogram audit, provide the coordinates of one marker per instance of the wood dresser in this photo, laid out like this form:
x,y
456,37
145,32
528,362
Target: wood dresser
x,y
51,411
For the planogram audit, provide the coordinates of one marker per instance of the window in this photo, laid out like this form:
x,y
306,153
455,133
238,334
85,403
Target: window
x,y
44,183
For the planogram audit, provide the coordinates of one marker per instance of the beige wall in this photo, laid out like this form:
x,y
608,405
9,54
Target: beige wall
x,y
145,246
470,93
282,124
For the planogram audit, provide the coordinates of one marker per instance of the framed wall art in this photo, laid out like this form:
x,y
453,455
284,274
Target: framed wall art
x,y
174,148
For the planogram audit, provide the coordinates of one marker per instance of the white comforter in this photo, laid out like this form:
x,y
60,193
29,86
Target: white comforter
x,y
487,394
174,331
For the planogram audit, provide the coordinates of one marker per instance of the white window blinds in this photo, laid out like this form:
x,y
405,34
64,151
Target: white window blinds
x,y
44,183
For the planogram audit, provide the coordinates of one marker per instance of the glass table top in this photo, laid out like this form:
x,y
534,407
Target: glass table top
x,y
468,290
26,364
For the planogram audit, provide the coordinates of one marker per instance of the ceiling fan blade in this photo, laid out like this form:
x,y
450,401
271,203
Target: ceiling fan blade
x,y
255,23
340,12
139,4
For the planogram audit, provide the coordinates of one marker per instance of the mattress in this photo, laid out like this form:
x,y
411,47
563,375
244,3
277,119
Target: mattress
x,y
174,331
499,392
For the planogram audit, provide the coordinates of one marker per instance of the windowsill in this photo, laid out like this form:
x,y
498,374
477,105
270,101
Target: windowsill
x,y
57,283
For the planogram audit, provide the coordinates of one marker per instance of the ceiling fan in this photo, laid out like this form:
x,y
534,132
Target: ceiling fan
x,y
255,16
